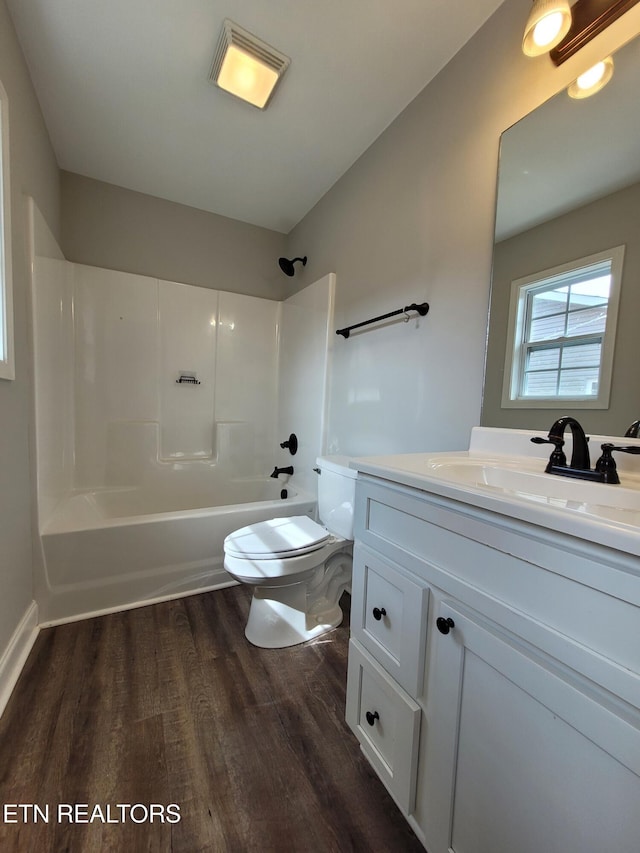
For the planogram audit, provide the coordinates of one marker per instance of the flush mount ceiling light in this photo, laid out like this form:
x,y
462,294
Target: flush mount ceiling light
x,y
593,80
549,22
245,66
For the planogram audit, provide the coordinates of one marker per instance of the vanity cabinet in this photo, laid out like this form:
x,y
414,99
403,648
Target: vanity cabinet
x,y
497,695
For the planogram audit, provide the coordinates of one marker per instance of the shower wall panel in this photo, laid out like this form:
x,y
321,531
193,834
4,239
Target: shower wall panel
x,y
53,359
116,361
134,338
188,318
246,383
306,342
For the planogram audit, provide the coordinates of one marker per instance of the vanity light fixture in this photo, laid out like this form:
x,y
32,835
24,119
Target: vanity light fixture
x,y
594,79
246,66
548,23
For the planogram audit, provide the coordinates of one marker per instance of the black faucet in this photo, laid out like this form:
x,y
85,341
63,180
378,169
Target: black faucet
x,y
580,460
276,471
580,466
633,431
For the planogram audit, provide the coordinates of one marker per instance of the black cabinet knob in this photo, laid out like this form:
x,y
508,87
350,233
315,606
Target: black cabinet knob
x,y
378,613
372,717
445,625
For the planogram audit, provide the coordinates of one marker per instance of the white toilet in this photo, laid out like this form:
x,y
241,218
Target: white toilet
x,y
298,568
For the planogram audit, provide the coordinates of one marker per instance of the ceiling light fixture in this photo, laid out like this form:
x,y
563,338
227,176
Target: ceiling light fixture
x,y
594,79
245,66
548,23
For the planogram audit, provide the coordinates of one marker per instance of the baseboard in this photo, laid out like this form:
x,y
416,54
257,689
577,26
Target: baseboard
x,y
17,652
223,582
15,655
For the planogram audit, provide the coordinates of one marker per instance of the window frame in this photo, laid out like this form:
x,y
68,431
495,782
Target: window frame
x,y
515,346
7,361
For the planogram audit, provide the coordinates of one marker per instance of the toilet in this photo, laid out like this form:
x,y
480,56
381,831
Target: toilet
x,y
298,568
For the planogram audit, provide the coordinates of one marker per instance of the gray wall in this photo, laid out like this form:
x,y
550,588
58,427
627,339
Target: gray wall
x,y
413,219
609,222
107,226
33,171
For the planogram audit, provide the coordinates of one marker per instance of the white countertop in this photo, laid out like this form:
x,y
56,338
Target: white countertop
x,y
605,514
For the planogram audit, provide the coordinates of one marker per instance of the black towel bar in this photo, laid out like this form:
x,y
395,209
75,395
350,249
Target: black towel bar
x,y
422,309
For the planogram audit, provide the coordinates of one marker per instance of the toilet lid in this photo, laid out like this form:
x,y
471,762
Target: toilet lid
x,y
276,538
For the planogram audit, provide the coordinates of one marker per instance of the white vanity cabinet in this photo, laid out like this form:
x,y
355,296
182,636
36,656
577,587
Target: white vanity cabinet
x,y
494,676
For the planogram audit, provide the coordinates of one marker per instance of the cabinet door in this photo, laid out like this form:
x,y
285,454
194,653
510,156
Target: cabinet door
x,y
521,756
389,617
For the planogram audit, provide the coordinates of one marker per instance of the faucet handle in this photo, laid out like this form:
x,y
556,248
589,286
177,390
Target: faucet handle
x,y
553,439
606,465
557,457
291,443
634,448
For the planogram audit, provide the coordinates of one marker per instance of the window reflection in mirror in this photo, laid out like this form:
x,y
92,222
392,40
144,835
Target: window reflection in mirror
x,y
569,188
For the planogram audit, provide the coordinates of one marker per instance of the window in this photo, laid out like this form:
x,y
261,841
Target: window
x,y
7,369
561,335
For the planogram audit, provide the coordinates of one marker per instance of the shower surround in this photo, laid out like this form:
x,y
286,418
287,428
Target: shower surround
x,y
159,414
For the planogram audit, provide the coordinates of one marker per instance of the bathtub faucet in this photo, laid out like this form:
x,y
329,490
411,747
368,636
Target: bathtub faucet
x,y
277,471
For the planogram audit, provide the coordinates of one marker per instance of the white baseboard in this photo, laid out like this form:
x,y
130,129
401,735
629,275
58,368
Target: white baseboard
x,y
16,653
221,583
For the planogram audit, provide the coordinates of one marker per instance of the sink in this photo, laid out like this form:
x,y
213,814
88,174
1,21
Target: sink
x,y
520,478
504,472
523,479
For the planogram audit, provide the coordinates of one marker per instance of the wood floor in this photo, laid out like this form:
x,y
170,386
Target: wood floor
x,y
169,704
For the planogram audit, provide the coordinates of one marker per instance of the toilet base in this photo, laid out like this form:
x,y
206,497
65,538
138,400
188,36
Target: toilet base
x,y
283,620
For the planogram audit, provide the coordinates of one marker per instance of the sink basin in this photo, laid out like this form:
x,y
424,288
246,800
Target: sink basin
x,y
530,484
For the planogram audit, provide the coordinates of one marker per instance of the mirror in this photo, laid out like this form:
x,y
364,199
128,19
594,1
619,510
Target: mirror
x,y
568,187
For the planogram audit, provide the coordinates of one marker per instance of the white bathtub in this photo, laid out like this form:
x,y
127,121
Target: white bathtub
x,y
115,548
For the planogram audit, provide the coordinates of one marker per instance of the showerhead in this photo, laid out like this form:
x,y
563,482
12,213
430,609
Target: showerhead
x,y
287,266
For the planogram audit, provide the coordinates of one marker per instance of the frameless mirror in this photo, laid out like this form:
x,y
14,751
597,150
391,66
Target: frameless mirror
x,y
569,187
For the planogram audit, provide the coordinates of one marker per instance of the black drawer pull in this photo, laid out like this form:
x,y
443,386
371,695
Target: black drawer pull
x,y
371,718
378,613
445,625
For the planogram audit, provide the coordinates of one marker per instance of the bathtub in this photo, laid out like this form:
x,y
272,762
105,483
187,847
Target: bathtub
x,y
114,548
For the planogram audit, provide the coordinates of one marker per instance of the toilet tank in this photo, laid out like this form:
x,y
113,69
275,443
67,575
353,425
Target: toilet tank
x,y
336,494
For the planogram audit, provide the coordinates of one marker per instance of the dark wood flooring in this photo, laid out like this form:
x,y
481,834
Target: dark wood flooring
x,y
170,704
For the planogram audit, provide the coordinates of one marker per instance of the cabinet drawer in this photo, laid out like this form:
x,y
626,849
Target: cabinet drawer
x,y
389,617
386,721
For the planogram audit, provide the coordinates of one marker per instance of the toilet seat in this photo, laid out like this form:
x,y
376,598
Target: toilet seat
x,y
282,571
277,539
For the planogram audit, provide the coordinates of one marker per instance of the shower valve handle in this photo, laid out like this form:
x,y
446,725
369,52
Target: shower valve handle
x,y
291,443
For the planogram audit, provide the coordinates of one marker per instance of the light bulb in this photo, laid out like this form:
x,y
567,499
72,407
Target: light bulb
x,y
547,29
548,23
591,77
592,80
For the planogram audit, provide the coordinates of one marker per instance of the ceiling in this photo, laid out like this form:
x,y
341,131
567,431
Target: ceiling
x,y
124,91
